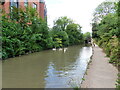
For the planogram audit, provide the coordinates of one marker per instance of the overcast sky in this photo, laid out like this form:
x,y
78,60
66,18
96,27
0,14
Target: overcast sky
x,y
79,10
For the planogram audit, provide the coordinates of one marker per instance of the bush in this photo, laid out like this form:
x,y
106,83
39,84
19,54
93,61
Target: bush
x,y
25,32
74,33
60,38
20,37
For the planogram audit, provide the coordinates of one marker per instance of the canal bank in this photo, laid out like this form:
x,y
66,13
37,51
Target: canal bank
x,y
100,73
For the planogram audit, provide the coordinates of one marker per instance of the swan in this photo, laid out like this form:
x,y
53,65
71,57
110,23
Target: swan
x,y
60,49
54,49
65,49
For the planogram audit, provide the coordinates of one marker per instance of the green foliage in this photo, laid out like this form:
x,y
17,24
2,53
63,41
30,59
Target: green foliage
x,y
108,25
87,37
23,33
103,9
107,34
66,30
60,38
74,33
94,30
118,83
108,37
62,22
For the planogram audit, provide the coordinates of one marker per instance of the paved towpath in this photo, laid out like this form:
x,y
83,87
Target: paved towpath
x,y
100,74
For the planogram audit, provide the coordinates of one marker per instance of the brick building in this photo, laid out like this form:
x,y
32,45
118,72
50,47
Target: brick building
x,y
39,5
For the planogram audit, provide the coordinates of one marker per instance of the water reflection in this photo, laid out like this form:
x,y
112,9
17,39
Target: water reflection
x,y
72,70
47,68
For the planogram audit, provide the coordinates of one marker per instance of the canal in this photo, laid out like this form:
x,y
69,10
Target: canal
x,y
47,69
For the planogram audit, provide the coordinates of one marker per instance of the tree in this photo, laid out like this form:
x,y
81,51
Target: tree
x,y
118,19
74,33
67,32
94,30
19,37
105,19
102,10
60,38
87,37
62,22
108,25
106,32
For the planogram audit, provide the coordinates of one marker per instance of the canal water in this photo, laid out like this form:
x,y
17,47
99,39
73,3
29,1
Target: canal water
x,y
47,69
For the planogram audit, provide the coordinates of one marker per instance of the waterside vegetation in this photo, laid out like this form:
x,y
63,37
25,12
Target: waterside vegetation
x,y
106,31
24,32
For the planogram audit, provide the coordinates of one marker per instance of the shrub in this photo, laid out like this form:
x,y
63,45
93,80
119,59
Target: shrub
x,y
19,37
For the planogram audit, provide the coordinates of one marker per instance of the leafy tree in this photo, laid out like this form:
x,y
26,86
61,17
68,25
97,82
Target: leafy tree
x,y
74,33
60,38
69,32
23,33
108,24
102,10
87,37
118,20
62,22
106,32
105,19
94,30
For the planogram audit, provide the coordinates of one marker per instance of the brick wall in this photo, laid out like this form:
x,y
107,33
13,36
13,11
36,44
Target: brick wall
x,y
40,6
6,7
41,13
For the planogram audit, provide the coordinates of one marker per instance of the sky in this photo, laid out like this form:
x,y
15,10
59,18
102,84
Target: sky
x,y
78,10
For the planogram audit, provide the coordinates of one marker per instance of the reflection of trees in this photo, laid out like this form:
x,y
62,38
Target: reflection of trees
x,y
66,66
61,59
30,71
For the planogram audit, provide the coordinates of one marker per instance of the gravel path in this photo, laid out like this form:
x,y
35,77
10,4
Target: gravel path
x,y
100,74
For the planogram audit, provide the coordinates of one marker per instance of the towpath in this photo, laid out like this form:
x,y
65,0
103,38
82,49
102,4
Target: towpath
x,y
100,74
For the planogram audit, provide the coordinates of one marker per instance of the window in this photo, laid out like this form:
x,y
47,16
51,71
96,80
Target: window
x,y
25,3
34,5
14,3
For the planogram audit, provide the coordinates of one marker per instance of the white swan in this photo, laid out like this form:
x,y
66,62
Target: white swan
x,y
60,49
54,49
65,49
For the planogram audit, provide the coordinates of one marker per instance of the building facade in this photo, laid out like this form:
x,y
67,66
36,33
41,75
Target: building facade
x,y
39,5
